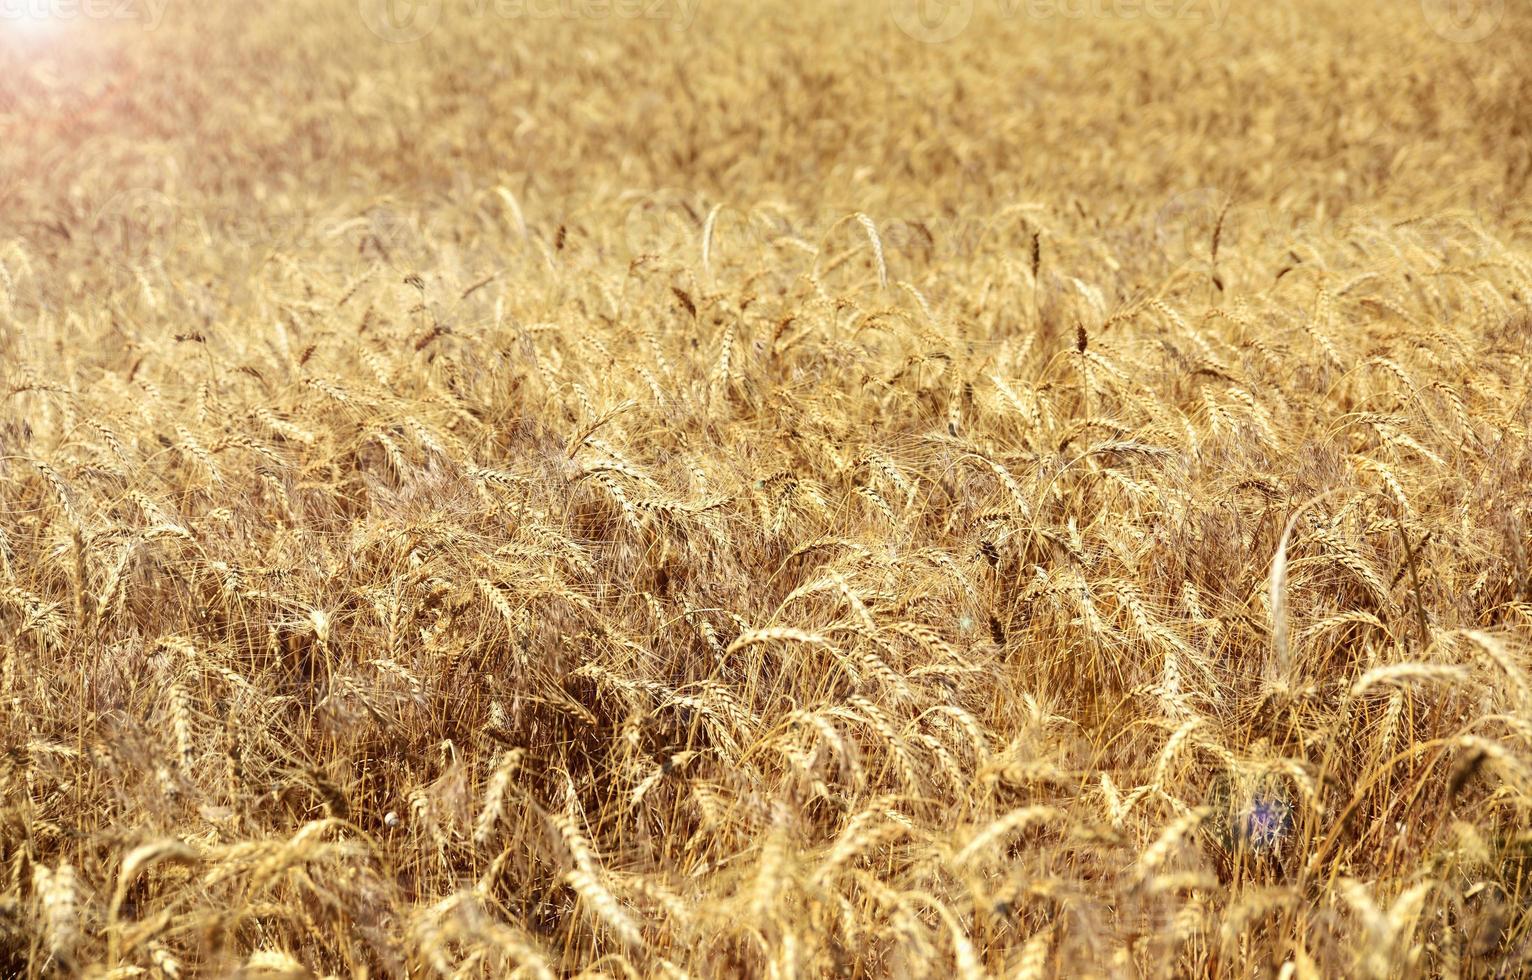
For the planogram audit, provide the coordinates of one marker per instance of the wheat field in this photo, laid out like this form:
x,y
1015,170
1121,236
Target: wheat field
x,y
864,489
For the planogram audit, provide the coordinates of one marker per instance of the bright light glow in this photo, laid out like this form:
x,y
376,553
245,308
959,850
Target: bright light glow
x,y
28,16
34,16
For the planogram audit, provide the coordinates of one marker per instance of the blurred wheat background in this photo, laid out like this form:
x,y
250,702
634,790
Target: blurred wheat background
x,y
766,490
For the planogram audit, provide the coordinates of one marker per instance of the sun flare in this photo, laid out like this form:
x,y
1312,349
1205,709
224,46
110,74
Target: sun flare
x,y
685,488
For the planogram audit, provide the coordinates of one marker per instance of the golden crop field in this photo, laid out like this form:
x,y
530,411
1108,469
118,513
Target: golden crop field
x,y
656,488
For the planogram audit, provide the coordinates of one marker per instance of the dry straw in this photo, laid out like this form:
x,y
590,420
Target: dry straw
x,y
947,552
